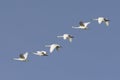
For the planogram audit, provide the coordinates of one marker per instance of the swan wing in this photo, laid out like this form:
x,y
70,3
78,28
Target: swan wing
x,y
86,23
107,23
70,39
25,55
52,48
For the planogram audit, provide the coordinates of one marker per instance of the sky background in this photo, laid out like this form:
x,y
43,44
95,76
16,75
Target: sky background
x,y
29,25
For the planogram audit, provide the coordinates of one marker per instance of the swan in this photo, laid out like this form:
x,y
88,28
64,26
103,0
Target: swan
x,y
66,36
101,20
41,53
22,57
53,47
82,25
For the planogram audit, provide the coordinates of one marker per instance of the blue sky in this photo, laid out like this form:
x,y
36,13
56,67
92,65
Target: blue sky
x,y
29,25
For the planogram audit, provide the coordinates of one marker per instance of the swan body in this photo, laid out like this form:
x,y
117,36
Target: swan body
x,y
66,36
53,47
102,20
22,57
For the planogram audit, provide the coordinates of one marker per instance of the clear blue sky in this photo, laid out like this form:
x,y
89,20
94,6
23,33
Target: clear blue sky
x,y
28,25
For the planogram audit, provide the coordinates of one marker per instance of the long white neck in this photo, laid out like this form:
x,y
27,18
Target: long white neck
x,y
47,45
95,19
75,27
59,36
18,59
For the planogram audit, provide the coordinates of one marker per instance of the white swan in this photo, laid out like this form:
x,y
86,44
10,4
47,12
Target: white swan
x,y
102,19
66,36
41,53
22,57
82,25
53,47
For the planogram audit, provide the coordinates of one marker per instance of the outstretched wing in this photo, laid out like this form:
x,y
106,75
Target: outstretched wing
x,y
107,23
52,48
86,24
25,55
70,39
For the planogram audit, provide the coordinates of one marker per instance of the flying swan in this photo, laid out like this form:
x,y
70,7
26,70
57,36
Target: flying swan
x,y
101,20
22,57
66,37
82,25
53,47
41,53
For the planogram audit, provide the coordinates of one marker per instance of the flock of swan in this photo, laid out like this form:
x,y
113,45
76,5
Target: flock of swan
x,y
82,25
